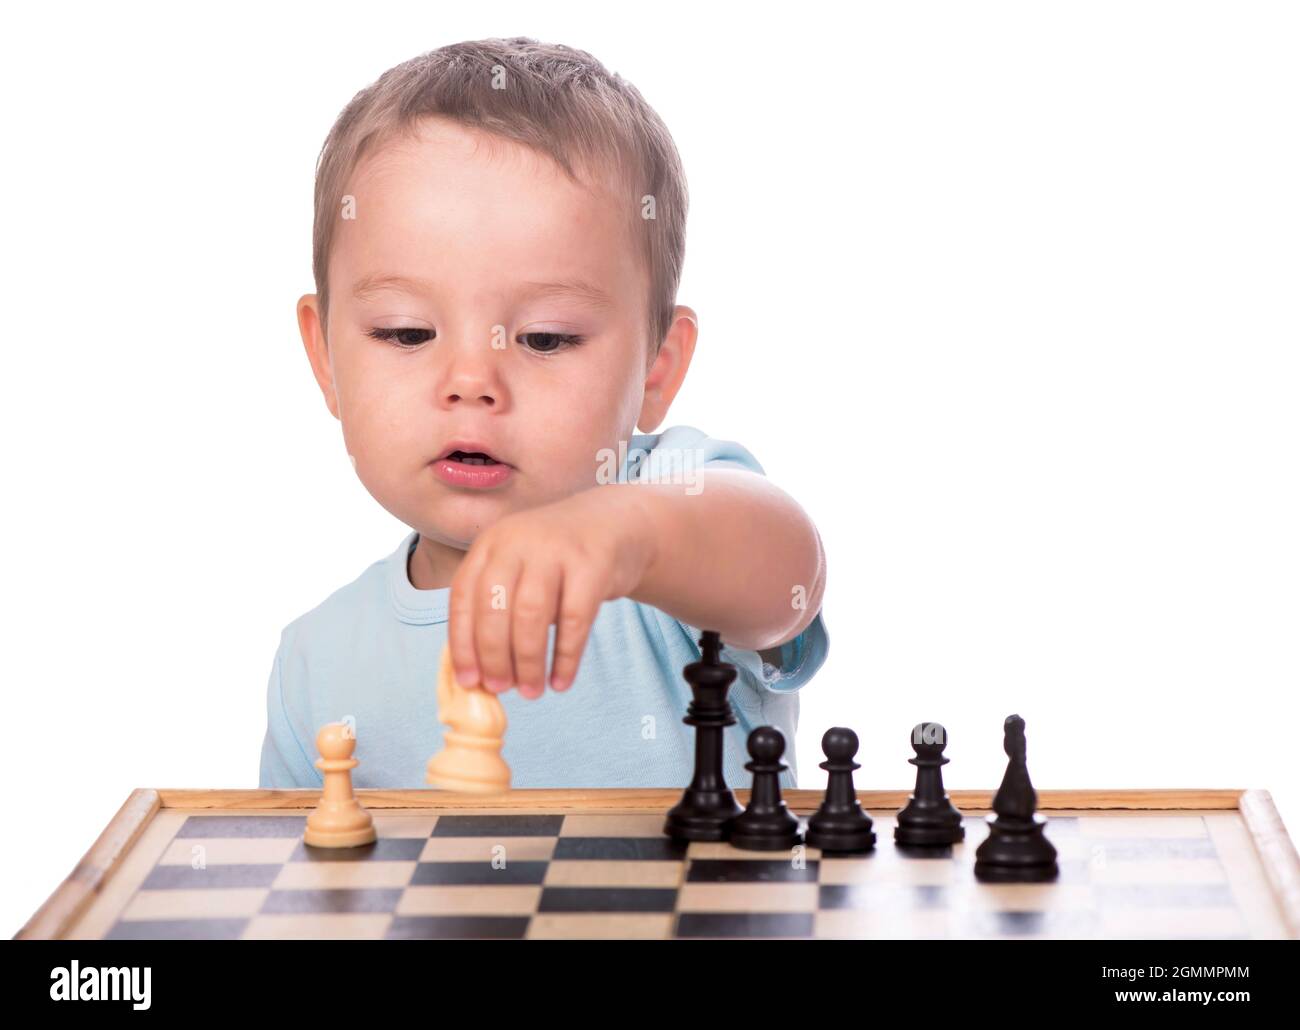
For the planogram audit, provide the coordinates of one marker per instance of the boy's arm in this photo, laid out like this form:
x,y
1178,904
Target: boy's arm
x,y
740,556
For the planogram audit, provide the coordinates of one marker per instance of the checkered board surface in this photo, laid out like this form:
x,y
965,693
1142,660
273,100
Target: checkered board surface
x,y
475,874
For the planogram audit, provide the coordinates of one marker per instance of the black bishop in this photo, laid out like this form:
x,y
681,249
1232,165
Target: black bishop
x,y
1016,849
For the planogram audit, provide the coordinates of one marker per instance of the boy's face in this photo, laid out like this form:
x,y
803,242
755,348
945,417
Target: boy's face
x,y
495,347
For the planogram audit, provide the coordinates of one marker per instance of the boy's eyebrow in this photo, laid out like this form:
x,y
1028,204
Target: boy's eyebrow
x,y
579,288
369,284
572,287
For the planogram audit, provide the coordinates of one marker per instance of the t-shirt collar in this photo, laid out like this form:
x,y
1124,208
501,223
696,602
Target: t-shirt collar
x,y
417,607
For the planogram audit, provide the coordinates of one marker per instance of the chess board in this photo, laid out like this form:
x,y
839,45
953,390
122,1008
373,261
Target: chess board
x,y
595,863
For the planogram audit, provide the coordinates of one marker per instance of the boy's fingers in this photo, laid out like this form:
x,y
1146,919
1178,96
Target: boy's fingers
x,y
581,594
535,604
460,627
493,602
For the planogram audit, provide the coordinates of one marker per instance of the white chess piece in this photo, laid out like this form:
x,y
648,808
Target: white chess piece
x,y
476,724
338,820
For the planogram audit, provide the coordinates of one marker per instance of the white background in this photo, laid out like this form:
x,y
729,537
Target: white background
x,y
1005,294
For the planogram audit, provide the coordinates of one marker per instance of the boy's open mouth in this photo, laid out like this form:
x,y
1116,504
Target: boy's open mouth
x,y
465,465
471,458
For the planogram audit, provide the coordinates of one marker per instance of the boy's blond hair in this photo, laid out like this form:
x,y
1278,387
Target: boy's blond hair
x,y
559,101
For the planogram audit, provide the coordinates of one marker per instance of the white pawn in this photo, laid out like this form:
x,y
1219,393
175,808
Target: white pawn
x,y
338,821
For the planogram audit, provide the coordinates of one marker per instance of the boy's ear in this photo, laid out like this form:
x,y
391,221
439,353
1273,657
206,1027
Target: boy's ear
x,y
313,339
668,372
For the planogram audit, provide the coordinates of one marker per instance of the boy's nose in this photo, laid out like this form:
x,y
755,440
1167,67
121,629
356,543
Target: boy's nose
x,y
473,365
473,384
485,398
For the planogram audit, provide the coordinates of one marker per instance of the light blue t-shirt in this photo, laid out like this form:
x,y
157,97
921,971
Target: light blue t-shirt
x,y
371,649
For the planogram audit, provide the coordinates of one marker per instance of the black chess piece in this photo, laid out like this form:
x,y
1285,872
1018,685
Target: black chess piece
x,y
930,819
1017,849
707,806
840,824
766,824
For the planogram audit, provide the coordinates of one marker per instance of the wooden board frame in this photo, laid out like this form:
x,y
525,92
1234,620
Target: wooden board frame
x,y
1276,852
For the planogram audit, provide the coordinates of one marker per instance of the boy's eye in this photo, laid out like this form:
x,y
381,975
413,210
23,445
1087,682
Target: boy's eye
x,y
407,337
540,343
548,343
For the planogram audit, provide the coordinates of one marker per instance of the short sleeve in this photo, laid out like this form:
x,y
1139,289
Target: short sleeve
x,y
284,764
676,452
800,658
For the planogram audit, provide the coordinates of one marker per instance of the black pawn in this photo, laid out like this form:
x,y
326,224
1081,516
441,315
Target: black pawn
x,y
707,806
840,824
1016,849
930,818
766,824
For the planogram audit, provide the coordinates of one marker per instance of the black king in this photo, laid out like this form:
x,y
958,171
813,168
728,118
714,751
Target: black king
x,y
707,807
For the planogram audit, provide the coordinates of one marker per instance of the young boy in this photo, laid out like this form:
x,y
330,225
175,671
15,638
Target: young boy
x,y
498,240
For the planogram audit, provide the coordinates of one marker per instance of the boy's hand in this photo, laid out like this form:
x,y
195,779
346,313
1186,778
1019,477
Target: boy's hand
x,y
552,564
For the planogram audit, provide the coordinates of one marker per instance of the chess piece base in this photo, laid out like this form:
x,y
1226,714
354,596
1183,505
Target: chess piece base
x,y
746,843
339,838
833,841
342,826
773,831
928,836
1011,874
843,827
928,822
1016,852
456,783
703,816
468,766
